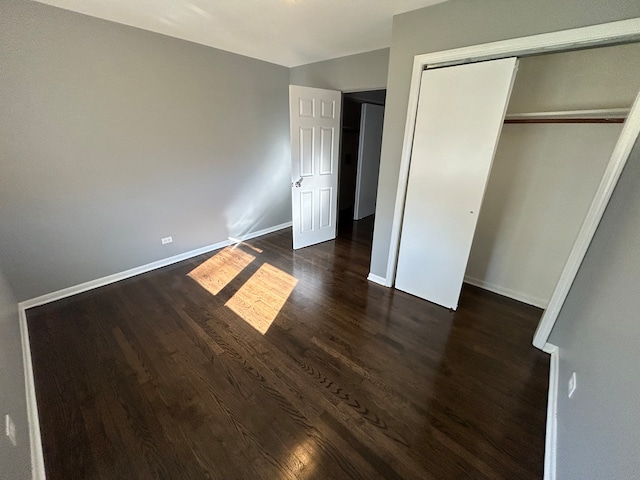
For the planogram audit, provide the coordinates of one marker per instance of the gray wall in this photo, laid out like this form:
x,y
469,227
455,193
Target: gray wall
x,y
15,462
363,71
453,24
598,334
113,137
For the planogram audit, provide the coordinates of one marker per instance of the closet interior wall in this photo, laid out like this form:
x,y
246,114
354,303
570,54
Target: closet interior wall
x,y
545,175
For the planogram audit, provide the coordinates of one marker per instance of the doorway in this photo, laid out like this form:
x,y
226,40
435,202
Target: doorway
x,y
361,139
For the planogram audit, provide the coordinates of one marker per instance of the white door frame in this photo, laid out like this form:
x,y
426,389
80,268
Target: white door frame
x,y
366,126
625,31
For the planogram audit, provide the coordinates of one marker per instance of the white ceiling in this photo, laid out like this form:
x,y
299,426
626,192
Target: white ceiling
x,y
286,32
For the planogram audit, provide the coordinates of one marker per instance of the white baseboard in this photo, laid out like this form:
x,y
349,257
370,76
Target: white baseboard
x,y
116,277
551,437
35,440
259,233
507,292
377,279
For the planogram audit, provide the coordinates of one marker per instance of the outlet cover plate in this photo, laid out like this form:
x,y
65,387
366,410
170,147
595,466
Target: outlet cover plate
x,y
10,430
572,384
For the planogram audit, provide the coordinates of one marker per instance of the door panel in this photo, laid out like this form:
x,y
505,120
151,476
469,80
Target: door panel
x,y
315,137
306,152
326,197
461,110
326,151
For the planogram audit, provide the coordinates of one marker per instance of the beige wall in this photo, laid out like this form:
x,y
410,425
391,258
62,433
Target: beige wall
x,y
584,79
545,176
113,137
453,24
364,71
541,185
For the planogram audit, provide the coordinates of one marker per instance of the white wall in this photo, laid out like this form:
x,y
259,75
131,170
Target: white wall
x,y
545,176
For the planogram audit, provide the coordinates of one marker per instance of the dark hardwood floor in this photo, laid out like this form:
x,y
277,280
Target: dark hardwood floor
x,y
160,376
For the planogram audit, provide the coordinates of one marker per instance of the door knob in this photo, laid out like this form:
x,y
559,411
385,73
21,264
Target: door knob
x,y
298,184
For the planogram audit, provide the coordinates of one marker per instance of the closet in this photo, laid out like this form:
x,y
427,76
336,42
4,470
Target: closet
x,y
561,125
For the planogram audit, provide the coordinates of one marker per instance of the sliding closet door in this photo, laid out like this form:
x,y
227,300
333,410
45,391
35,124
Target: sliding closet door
x,y
460,114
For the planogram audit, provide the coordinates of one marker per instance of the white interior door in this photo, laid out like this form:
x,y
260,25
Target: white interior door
x,y
371,120
460,115
315,149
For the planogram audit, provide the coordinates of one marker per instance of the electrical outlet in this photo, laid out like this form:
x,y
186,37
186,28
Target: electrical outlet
x,y
10,430
572,384
166,240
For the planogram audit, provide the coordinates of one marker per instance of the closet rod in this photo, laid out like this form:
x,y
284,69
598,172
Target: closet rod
x,y
602,115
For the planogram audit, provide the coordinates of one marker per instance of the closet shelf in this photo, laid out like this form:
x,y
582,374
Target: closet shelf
x,y
601,115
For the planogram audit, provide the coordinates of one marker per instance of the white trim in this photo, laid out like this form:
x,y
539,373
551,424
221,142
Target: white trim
x,y
507,292
377,279
596,35
551,436
35,440
549,348
603,113
116,277
621,152
623,31
403,176
259,233
356,206
364,90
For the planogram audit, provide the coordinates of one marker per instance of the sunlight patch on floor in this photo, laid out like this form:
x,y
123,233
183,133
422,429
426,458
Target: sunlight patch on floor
x,y
303,459
261,298
217,272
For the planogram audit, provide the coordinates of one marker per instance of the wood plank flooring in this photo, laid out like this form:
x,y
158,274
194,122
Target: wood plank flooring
x,y
158,377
